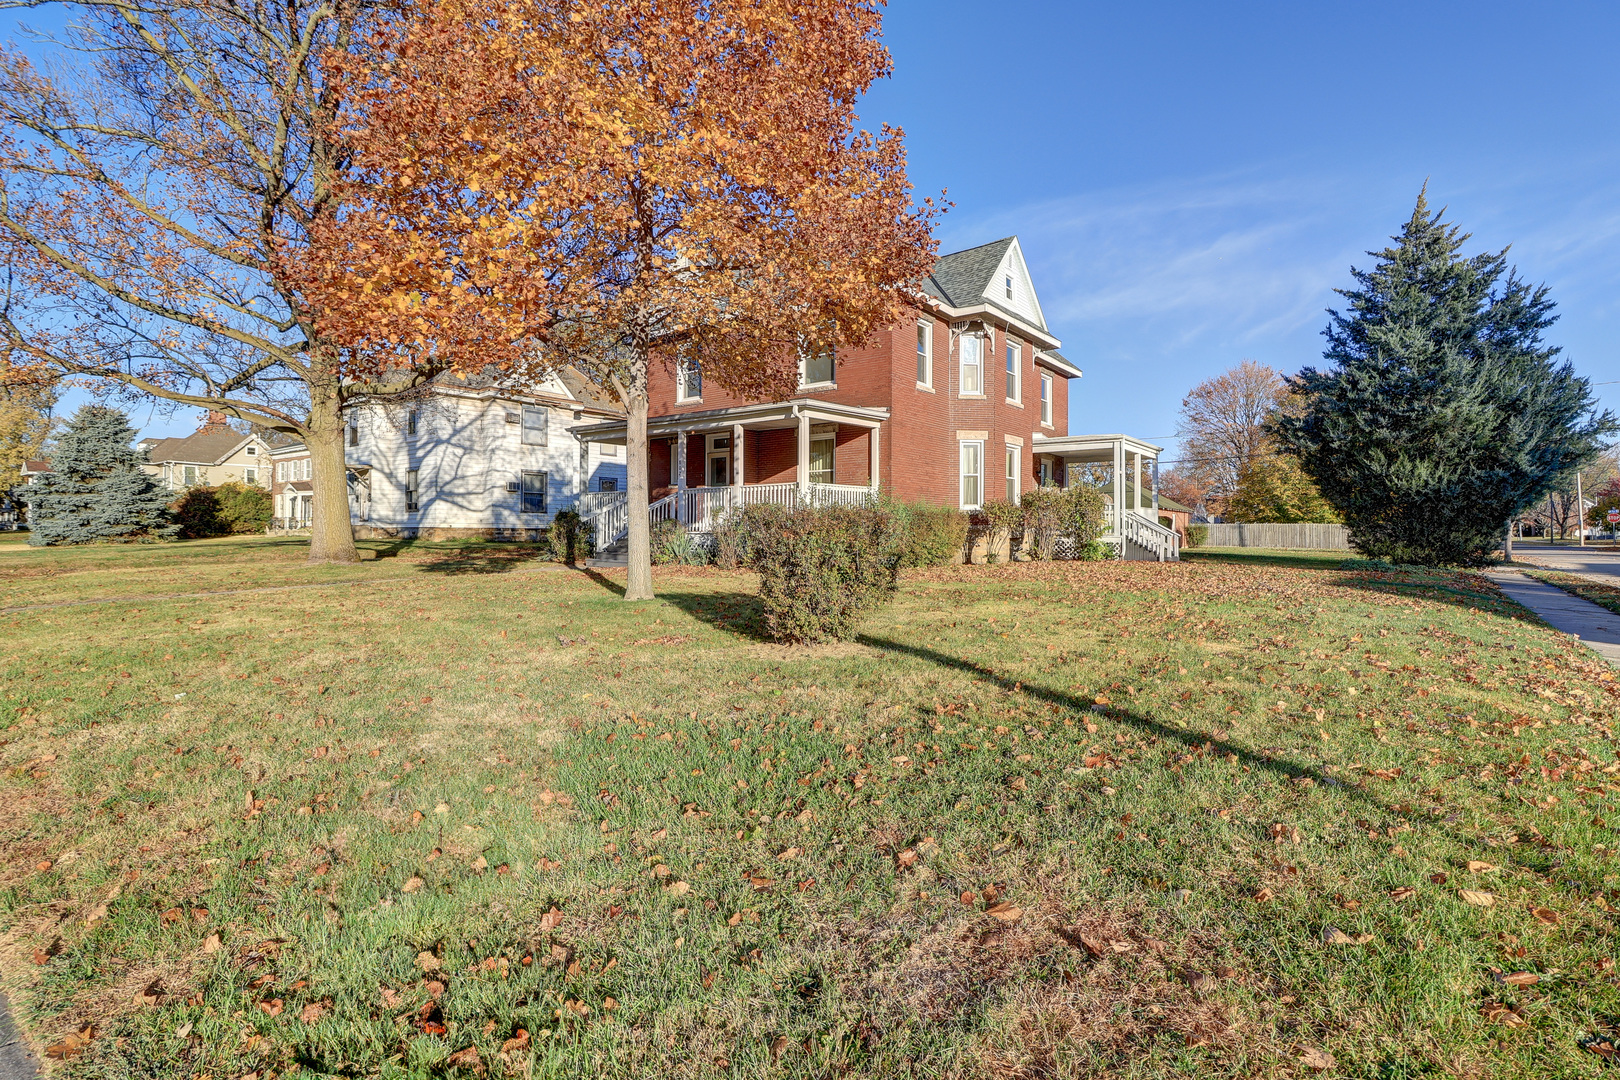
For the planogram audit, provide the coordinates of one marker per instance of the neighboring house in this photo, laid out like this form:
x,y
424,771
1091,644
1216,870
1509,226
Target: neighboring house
x,y
966,400
469,457
30,469
212,455
1180,516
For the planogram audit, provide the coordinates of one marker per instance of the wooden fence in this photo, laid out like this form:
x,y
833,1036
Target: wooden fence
x,y
1321,537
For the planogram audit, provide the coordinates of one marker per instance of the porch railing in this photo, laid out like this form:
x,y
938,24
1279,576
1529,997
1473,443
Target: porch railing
x,y
699,509
1162,543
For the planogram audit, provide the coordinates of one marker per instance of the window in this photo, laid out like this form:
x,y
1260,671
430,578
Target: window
x,y
972,475
972,348
719,474
1012,371
191,475
306,469
410,422
1046,398
253,451
413,493
533,493
816,370
281,471
251,476
608,483
1012,474
821,460
610,449
354,431
925,360
536,421
1046,472
689,382
1006,286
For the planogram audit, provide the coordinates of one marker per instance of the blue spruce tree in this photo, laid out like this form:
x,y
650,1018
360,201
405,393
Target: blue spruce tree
x,y
1444,413
96,490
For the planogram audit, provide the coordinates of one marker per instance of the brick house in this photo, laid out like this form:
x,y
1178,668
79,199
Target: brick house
x,y
965,401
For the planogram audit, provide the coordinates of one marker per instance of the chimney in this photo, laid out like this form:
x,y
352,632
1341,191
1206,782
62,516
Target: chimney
x,y
215,422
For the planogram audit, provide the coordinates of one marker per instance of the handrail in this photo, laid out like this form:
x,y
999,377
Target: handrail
x,y
1163,543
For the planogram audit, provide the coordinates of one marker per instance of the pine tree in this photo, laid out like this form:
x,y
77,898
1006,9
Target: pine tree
x,y
1444,414
96,490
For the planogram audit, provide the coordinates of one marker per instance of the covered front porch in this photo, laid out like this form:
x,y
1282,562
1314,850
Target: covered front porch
x,y
701,464
1118,464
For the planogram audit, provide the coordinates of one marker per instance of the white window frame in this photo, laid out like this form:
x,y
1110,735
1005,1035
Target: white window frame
x,y
925,355
1015,378
1007,285
529,413
832,462
685,370
1046,399
716,448
544,491
308,470
411,418
354,431
830,382
964,474
413,490
970,344
250,475
189,474
1015,466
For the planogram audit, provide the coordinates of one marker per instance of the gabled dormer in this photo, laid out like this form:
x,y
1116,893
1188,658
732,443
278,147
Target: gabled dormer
x,y
991,275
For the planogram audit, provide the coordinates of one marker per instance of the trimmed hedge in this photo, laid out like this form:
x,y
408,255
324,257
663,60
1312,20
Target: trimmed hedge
x,y
821,569
231,509
1196,535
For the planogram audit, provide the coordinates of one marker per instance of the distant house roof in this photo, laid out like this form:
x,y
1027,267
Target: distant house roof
x,y
1167,503
34,465
207,447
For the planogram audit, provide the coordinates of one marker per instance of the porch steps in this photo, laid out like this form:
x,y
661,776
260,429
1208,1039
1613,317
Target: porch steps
x,y
615,555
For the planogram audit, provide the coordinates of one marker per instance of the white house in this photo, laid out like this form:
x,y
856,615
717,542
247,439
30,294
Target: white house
x,y
467,457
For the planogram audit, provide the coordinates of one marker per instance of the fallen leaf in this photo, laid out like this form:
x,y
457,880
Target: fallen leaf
x,y
1005,912
678,888
1476,898
1502,1014
272,1007
72,1044
412,884
1477,867
516,1042
1521,978
43,865
1545,916
1405,892
1263,895
211,943
312,1012
466,1058
152,994
1332,935
1313,1058
551,920
428,962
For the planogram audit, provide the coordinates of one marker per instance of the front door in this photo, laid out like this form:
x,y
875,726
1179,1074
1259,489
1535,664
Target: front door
x,y
720,470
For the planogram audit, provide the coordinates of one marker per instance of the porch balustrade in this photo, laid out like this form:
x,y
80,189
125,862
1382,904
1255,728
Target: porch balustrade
x,y
699,509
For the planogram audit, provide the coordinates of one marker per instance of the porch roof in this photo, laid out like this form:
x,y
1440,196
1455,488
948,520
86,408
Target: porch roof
x,y
1093,448
774,414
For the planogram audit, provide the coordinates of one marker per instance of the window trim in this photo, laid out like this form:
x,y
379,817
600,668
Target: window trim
x,y
413,490
683,369
963,366
411,423
1007,285
1015,465
1047,394
524,492
977,445
925,354
1013,354
829,383
354,431
524,414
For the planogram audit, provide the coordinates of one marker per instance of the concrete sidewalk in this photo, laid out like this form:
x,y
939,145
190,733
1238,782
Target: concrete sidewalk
x,y
16,1062
1597,563
1598,628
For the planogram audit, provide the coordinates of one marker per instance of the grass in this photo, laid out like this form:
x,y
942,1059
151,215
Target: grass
x,y
1131,820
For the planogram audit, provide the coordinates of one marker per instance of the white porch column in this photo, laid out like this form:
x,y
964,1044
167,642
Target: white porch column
x,y
1119,489
1136,481
737,463
1155,489
874,458
680,477
804,456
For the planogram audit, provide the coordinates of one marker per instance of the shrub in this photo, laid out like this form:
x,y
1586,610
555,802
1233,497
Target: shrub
x,y
999,519
731,535
934,535
569,538
821,569
1196,535
232,508
1095,551
1075,512
672,544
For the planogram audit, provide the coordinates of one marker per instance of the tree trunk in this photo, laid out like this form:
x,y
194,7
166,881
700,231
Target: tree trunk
x,y
638,586
331,537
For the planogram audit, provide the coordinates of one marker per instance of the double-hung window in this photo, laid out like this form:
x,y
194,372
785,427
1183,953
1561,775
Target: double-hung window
x,y
689,381
1012,371
972,350
413,491
822,452
536,421
250,475
191,475
972,454
1012,474
816,370
354,431
410,422
308,467
925,355
1046,398
533,493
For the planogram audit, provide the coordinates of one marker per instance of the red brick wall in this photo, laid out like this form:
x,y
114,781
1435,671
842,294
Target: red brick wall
x,y
919,448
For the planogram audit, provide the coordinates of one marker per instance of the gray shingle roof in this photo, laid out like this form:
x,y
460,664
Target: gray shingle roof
x,y
962,277
203,448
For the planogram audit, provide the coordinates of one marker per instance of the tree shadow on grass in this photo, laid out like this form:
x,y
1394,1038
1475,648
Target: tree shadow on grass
x,y
736,613
1207,742
474,561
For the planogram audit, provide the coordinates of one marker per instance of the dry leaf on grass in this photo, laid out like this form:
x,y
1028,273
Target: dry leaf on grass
x,y
412,884
1503,1014
428,962
1332,935
1313,1058
312,1012
551,920
1476,897
211,944
678,888
1521,978
1545,916
1263,895
1005,912
1405,892
1478,867
72,1044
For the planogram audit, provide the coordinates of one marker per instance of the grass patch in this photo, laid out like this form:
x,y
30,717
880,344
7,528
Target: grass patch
x,y
1291,557
1114,819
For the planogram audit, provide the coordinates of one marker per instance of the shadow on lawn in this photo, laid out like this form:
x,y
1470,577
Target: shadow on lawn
x,y
474,561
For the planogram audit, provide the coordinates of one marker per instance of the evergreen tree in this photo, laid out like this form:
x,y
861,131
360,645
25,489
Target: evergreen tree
x,y
1444,413
96,490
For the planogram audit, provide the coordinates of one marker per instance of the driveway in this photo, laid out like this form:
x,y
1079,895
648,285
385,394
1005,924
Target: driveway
x,y
1599,563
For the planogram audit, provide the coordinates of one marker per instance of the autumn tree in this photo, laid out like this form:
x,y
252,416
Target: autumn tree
x,y
1223,426
26,418
639,183
161,207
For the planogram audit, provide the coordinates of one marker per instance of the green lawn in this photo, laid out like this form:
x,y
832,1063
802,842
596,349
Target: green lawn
x,y
453,814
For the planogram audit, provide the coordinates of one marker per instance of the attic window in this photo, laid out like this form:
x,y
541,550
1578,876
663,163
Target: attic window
x,y
1007,286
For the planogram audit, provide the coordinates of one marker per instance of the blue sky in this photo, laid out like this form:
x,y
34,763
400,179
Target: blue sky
x,y
1191,180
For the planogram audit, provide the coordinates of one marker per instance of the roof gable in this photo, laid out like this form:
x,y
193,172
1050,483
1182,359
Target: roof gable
x,y
203,448
987,274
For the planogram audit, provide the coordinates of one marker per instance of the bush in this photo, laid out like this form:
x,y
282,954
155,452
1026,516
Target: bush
x,y
1075,512
934,535
999,519
1095,551
672,544
731,535
230,509
569,538
821,569
1196,535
